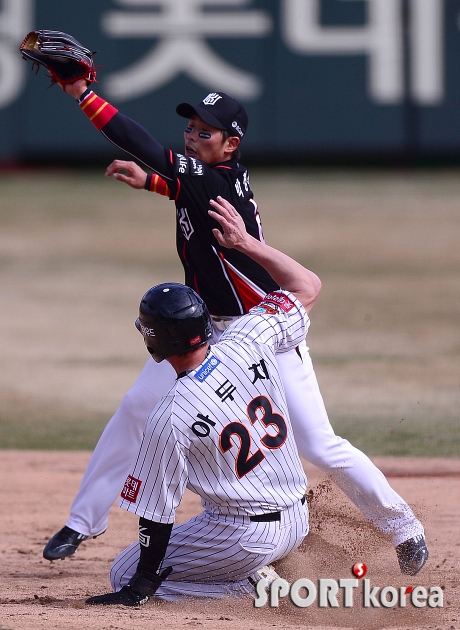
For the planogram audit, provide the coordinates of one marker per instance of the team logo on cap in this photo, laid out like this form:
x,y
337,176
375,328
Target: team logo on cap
x,y
237,128
211,99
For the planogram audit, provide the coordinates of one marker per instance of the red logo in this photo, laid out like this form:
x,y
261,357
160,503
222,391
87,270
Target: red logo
x,y
359,570
131,489
196,340
280,300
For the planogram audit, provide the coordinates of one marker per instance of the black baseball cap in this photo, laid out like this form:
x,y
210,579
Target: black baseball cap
x,y
218,110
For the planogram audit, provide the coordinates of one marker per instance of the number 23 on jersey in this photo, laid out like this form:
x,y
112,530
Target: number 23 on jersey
x,y
259,410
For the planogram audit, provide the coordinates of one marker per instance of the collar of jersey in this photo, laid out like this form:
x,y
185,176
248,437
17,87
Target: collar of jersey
x,y
228,164
187,372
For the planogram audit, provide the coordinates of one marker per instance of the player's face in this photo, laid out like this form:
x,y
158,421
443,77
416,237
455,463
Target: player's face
x,y
204,142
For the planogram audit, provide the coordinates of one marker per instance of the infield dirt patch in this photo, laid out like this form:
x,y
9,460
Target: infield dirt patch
x,y
36,491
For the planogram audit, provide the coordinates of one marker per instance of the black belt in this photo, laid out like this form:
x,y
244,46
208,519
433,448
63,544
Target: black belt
x,y
266,518
270,516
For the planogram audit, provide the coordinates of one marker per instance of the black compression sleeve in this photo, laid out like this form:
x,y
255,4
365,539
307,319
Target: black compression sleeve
x,y
135,140
153,538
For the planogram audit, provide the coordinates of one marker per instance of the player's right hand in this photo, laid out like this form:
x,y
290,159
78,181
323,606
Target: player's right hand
x,y
234,233
127,172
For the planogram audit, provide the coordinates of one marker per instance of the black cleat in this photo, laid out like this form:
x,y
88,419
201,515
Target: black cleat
x,y
412,555
63,544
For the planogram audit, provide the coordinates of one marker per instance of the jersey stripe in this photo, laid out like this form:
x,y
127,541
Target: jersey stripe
x,y
158,185
249,293
97,110
178,189
231,284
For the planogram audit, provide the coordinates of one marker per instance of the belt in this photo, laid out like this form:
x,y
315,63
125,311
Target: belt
x,y
266,518
270,516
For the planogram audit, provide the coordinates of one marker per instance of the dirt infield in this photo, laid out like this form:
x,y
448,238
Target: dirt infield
x,y
36,492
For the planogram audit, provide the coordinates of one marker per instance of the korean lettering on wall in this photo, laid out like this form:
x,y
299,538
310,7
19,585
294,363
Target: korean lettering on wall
x,y
405,59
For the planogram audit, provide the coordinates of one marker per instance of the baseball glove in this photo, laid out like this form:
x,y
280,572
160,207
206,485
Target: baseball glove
x,y
65,59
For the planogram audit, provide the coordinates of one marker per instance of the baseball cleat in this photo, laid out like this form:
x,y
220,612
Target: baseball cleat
x,y
412,555
63,544
264,573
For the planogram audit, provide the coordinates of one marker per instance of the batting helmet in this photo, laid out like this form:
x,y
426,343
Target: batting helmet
x,y
173,319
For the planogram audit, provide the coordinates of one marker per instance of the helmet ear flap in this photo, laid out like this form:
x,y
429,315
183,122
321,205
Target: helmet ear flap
x,y
158,358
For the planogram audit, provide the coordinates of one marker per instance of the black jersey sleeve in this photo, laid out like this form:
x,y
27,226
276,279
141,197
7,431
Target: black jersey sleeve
x,y
127,134
137,141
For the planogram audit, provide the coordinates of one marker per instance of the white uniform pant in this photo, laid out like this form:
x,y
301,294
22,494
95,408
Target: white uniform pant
x,y
212,555
353,471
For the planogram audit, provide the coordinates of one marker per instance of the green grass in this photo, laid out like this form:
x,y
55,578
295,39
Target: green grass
x,y
420,438
375,437
51,434
385,245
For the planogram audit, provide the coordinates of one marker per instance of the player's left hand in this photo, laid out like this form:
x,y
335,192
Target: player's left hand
x,y
234,231
127,172
63,56
136,593
126,597
76,88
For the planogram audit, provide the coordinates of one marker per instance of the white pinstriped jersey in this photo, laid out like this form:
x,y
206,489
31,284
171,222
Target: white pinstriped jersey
x,y
223,430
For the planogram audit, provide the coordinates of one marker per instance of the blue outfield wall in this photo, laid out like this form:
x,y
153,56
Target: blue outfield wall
x,y
317,77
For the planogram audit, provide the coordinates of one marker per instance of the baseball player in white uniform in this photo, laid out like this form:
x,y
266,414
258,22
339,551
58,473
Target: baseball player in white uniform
x,y
223,431
230,283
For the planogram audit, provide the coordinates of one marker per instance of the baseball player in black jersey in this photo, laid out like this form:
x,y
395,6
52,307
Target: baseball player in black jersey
x,y
230,283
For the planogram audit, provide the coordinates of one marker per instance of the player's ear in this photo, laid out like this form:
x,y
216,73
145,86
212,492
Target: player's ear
x,y
232,144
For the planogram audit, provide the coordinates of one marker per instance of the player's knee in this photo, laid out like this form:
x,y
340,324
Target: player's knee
x,y
115,579
318,458
332,453
323,453
118,576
